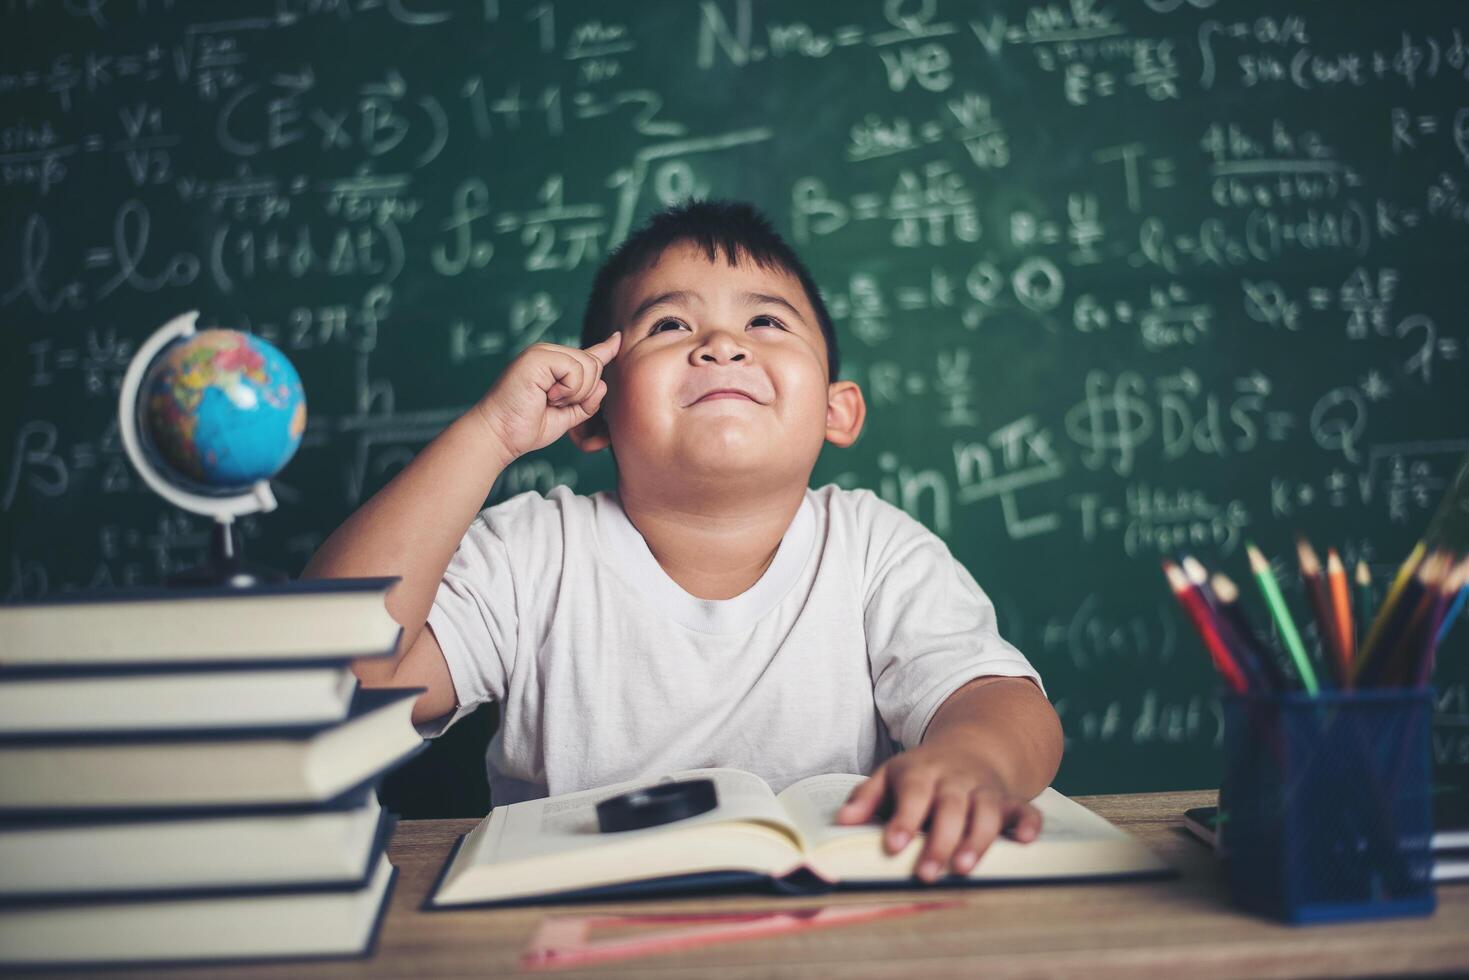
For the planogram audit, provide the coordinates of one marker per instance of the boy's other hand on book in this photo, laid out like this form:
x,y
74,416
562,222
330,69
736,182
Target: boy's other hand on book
x,y
545,391
964,804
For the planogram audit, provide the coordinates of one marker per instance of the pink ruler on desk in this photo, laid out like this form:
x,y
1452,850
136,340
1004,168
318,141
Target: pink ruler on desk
x,y
563,941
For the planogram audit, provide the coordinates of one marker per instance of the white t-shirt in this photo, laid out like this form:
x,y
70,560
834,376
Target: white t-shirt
x,y
606,670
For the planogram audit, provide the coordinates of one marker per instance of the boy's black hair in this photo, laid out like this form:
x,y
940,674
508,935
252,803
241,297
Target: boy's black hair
x,y
730,228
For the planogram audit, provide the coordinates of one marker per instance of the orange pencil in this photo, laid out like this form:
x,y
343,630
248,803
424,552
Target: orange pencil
x,y
1341,601
1326,623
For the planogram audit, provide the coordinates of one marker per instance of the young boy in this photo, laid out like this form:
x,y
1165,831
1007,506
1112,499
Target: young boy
x,y
713,611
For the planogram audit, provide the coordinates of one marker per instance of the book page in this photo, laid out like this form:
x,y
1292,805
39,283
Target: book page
x,y
1064,821
540,847
569,822
1074,842
812,804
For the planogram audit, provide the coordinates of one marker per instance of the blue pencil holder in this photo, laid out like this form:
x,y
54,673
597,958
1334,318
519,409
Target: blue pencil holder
x,y
1324,809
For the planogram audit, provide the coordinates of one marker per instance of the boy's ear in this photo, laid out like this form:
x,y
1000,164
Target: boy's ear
x,y
845,412
591,436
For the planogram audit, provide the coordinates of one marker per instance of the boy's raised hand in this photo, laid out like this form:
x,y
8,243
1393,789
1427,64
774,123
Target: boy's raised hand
x,y
964,806
545,391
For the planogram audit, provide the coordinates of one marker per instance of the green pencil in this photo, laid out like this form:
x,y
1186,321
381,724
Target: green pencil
x,y
1276,603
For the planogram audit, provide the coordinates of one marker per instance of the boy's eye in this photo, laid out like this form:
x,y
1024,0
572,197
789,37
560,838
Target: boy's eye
x,y
759,321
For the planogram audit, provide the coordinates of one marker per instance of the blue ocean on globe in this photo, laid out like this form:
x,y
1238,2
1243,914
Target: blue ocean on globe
x,y
221,410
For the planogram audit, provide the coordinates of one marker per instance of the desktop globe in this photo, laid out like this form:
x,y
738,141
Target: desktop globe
x,y
207,418
221,410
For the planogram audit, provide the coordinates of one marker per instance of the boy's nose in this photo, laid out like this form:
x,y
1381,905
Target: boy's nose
x,y
720,347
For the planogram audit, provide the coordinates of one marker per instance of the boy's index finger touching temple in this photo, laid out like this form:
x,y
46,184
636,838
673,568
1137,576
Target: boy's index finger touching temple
x,y
605,350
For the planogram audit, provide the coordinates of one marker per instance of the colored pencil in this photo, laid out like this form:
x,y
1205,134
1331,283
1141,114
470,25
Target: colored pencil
x,y
1450,597
1276,604
1392,623
1238,646
1364,604
1319,595
1227,594
1385,611
1453,614
1193,607
1410,656
1341,605
1404,656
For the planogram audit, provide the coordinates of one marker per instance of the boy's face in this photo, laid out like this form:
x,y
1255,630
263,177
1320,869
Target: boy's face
x,y
691,327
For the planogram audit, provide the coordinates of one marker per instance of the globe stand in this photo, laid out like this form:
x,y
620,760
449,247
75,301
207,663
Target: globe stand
x,y
226,566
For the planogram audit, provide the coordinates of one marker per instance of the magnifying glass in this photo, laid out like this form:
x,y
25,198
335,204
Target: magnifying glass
x,y
656,805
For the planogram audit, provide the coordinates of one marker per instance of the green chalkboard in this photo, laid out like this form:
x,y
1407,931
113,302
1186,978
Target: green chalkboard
x,y
1117,279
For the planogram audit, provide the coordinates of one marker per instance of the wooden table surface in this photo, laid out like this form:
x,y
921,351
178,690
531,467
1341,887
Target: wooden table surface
x,y
1176,927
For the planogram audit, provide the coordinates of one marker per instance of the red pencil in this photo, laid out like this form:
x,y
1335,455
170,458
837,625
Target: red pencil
x,y
1194,606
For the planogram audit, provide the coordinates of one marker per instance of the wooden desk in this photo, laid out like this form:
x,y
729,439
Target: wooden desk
x,y
1182,926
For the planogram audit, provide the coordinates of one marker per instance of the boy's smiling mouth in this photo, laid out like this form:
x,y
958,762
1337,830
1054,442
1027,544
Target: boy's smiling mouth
x,y
725,393
737,391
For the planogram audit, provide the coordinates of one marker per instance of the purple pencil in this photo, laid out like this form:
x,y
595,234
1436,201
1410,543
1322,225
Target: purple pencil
x,y
1451,587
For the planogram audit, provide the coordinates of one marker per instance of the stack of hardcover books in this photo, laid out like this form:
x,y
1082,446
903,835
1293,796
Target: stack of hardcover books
x,y
192,775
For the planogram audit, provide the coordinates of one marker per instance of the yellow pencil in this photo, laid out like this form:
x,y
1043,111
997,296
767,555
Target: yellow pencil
x,y
1384,610
1376,661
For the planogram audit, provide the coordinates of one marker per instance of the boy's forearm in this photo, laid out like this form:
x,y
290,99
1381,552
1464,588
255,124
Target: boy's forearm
x,y
1006,725
412,526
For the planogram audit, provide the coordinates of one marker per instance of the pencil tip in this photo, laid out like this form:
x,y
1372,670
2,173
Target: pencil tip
x,y
1460,577
1306,555
1194,569
1224,588
1175,577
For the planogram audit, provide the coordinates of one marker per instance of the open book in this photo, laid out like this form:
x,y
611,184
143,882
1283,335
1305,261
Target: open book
x,y
551,848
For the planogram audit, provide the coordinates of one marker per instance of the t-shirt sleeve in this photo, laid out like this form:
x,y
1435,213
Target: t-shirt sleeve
x,y
475,618
930,629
